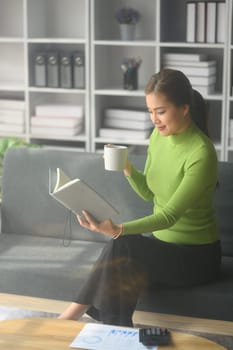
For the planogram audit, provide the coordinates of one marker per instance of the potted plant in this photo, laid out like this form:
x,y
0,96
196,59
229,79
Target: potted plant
x,y
127,17
7,142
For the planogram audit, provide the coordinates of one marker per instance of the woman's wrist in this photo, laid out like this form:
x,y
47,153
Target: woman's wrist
x,y
128,168
119,231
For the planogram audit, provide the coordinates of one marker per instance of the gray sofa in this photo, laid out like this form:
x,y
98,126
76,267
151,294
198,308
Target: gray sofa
x,y
45,253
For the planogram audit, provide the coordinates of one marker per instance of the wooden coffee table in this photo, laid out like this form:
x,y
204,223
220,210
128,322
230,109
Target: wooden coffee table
x,y
47,334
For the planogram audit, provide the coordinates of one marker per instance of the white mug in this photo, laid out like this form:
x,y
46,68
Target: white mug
x,y
115,157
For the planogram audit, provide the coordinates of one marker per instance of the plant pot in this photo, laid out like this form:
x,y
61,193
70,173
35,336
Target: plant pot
x,y
127,31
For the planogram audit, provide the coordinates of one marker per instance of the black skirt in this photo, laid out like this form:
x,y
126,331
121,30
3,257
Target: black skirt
x,y
130,264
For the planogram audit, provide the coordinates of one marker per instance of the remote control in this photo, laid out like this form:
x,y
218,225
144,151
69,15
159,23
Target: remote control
x,y
154,336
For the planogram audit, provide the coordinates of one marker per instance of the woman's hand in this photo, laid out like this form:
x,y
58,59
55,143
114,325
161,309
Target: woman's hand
x,y
106,227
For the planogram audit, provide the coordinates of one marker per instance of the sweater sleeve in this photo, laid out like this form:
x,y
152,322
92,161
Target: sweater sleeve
x,y
195,183
138,182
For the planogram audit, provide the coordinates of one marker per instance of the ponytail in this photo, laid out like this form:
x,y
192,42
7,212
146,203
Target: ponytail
x,y
199,112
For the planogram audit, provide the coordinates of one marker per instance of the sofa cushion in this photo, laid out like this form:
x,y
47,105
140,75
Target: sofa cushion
x,y
224,207
44,267
213,300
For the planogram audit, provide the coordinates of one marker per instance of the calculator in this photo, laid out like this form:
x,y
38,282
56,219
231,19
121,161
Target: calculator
x,y
154,336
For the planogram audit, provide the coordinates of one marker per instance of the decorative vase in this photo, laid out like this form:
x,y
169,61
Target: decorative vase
x,y
127,31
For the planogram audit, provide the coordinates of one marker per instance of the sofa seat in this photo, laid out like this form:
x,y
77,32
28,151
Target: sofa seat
x,y
210,300
44,267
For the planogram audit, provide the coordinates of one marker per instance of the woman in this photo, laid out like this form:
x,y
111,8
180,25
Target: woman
x,y
180,177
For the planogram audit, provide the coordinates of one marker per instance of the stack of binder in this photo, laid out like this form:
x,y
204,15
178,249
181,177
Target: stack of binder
x,y
57,120
205,21
200,71
12,116
123,123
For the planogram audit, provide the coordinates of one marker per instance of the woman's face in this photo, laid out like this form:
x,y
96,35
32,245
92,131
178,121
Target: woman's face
x,y
166,117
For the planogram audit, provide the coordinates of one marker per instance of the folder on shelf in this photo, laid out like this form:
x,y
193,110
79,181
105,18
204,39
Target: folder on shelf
x,y
191,9
221,22
201,22
211,22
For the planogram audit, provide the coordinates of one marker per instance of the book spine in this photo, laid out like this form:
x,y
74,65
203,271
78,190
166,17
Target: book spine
x,y
211,22
126,114
123,133
202,81
59,110
12,104
201,64
184,57
118,123
11,116
12,128
221,22
51,131
204,90
50,121
201,22
191,22
195,71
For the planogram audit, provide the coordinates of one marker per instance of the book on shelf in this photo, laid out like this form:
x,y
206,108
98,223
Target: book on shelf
x,y
59,110
128,124
12,116
231,128
12,128
202,81
205,90
124,134
211,21
200,64
55,131
201,22
194,71
191,9
12,104
195,57
129,114
76,195
69,122
221,22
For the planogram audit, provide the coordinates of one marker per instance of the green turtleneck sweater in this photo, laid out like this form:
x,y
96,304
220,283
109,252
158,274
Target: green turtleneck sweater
x,y
180,178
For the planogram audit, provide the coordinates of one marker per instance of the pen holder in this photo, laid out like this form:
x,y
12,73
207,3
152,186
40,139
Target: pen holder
x,y
130,79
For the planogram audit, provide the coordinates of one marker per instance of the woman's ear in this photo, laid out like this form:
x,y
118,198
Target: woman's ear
x,y
186,110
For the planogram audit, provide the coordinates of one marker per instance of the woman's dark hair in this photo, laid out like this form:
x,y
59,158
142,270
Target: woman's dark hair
x,y
177,88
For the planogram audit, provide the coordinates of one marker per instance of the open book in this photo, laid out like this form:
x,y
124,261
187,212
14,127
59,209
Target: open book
x,y
76,195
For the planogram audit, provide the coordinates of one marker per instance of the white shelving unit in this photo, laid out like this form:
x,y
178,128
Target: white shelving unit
x,y
108,52
90,25
54,25
229,113
159,31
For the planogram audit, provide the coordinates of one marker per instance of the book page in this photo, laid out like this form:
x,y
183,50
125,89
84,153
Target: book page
x,y
62,179
107,337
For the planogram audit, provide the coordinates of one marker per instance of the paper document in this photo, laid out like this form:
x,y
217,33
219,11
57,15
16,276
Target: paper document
x,y
105,337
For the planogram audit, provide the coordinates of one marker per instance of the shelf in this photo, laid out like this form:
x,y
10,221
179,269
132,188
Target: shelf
x,y
11,40
125,141
57,41
57,90
119,92
192,45
144,43
7,86
80,137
